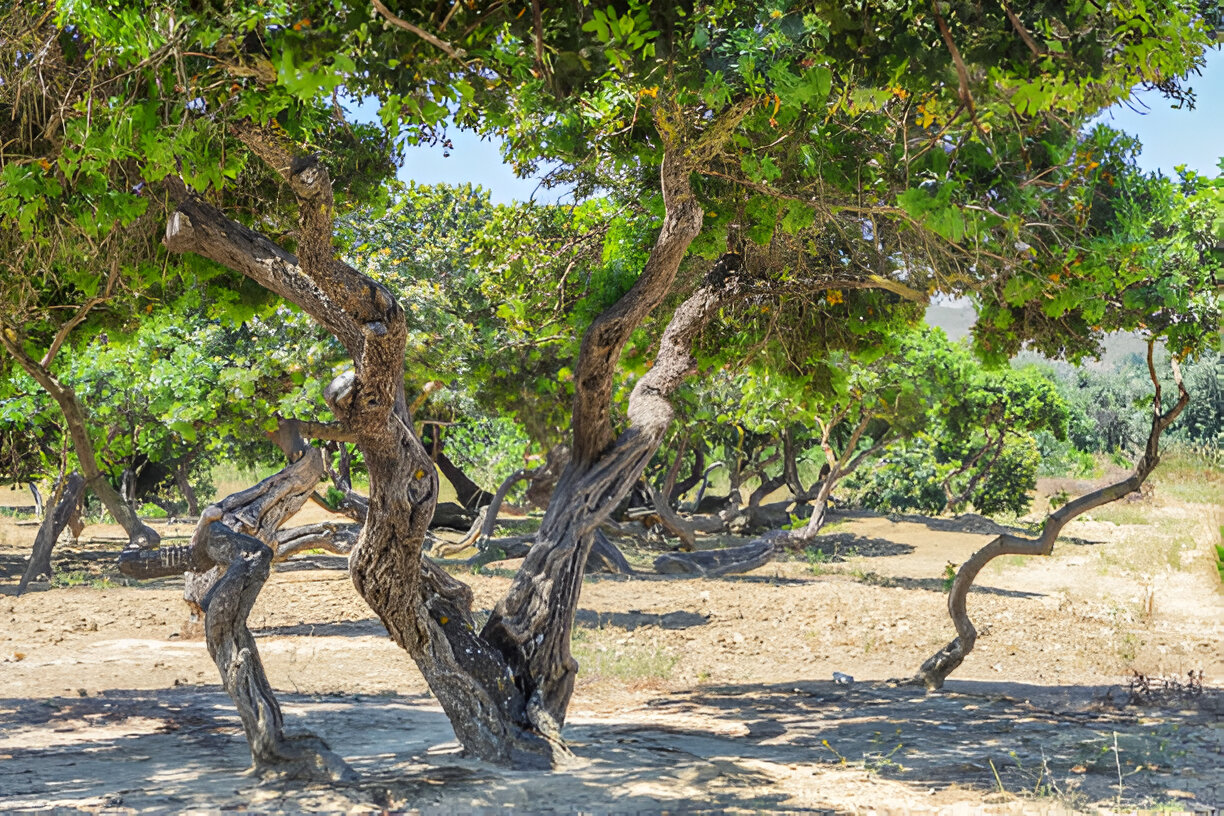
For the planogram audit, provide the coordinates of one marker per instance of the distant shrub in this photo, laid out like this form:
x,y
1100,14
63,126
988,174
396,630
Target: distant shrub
x,y
905,477
1007,486
150,510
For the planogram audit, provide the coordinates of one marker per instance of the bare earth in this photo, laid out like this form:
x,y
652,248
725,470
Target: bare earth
x,y
695,695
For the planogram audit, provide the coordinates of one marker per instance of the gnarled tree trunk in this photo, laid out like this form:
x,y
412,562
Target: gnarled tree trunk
x,y
936,669
244,563
505,690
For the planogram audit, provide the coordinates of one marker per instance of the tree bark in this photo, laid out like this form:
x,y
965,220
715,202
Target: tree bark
x,y
790,465
936,669
673,472
504,690
693,479
607,557
184,486
839,468
334,537
246,562
67,498
671,521
38,500
726,561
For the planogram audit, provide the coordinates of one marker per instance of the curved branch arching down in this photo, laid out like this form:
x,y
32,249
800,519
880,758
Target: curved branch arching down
x,y
937,668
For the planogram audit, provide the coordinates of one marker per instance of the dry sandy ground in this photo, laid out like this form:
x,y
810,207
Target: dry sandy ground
x,y
704,695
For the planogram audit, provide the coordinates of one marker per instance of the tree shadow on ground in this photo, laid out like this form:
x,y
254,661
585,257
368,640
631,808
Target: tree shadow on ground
x,y
633,619
840,546
940,586
73,567
1054,741
742,747
584,618
183,749
970,523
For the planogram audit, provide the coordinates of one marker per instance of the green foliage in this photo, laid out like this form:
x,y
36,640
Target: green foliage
x,y
906,476
1009,481
150,510
488,449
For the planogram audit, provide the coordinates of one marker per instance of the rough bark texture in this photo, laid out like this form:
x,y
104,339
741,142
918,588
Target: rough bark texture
x,y
258,511
936,669
246,562
505,690
535,631
67,499
727,561
336,538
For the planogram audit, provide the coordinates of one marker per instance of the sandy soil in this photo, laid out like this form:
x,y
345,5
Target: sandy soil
x,y
694,695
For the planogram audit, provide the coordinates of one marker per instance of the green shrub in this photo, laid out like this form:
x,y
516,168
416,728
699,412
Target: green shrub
x,y
905,477
150,510
1007,485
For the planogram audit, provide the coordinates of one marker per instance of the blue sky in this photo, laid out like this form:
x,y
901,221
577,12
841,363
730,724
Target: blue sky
x,y
1170,137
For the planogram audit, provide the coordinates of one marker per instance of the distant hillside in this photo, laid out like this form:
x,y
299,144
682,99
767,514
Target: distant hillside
x,y
956,318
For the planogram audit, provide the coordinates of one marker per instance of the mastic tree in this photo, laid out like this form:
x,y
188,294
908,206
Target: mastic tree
x,y
902,147
1163,242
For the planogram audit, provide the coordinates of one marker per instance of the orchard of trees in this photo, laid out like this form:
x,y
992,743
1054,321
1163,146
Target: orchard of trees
x,y
208,260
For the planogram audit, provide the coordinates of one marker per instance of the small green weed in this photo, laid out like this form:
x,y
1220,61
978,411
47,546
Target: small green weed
x,y
622,661
818,560
80,578
949,576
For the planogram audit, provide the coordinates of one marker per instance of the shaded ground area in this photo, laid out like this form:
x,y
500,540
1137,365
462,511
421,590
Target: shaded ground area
x,y
802,747
711,694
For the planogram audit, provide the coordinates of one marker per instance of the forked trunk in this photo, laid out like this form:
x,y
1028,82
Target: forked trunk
x,y
506,689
